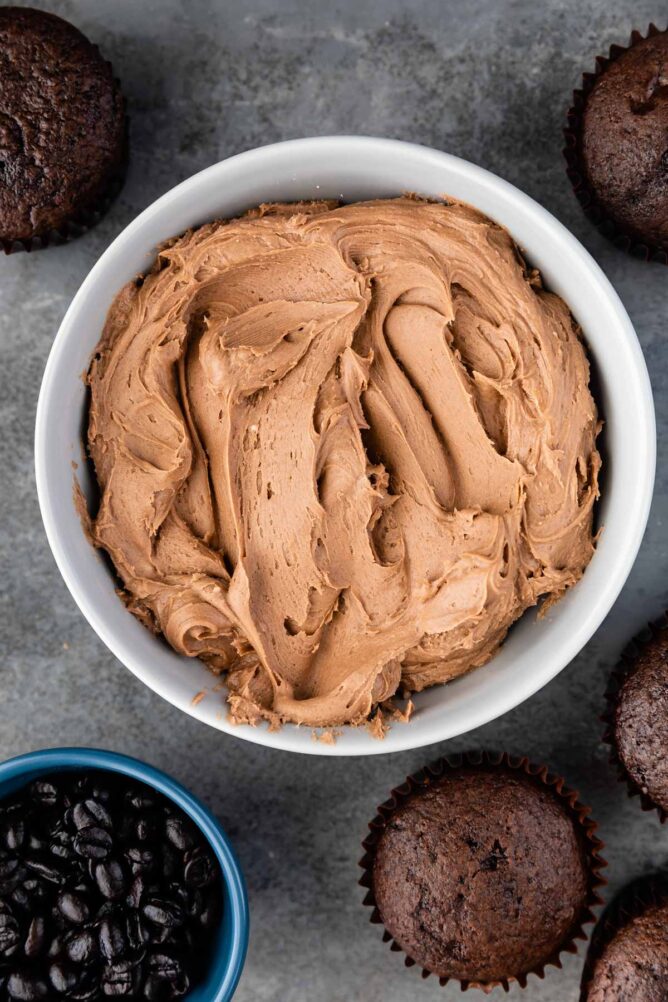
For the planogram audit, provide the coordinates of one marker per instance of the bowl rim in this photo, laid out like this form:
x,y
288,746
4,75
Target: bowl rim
x,y
638,503
54,759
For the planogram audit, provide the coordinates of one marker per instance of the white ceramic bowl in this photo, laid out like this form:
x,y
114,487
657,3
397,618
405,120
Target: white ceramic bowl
x,y
353,168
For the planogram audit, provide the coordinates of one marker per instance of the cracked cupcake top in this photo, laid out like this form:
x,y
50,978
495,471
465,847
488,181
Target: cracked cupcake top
x,y
340,450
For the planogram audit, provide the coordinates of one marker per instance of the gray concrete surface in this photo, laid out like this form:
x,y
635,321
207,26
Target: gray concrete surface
x,y
489,80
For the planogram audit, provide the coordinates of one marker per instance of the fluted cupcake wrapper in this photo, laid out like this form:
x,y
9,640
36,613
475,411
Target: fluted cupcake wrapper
x,y
86,217
575,168
628,904
618,676
502,761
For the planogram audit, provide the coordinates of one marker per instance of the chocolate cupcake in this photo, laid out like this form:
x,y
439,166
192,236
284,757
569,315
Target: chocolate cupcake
x,y
637,717
617,145
628,955
482,870
62,130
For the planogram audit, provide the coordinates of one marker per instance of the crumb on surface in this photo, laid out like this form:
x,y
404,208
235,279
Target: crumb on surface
x,y
392,711
326,737
377,726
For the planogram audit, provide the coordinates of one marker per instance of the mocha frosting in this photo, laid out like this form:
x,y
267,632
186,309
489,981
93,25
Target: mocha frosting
x,y
340,450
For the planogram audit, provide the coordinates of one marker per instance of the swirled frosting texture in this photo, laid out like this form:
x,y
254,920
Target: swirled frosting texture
x,y
340,450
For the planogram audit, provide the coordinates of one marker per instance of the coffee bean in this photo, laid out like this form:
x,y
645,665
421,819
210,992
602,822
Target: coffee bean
x,y
36,938
26,987
55,947
160,934
80,946
179,833
73,907
165,967
36,843
9,935
107,908
50,871
90,813
180,987
177,892
11,874
195,903
209,914
60,851
136,932
110,879
163,913
157,988
154,989
118,979
173,987
136,892
93,842
199,870
20,898
141,860
12,830
61,845
146,828
100,792
62,977
36,889
112,939
88,987
140,800
44,793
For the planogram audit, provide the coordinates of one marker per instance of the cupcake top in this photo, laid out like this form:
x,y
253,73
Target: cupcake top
x,y
482,876
62,124
624,141
634,962
640,726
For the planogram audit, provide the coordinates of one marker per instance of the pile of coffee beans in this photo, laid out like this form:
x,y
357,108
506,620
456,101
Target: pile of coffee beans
x,y
107,890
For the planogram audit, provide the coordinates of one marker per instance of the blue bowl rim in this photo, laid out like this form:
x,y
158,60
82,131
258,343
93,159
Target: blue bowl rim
x,y
52,759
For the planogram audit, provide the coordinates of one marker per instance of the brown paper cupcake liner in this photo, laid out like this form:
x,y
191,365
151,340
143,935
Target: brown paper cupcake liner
x,y
501,761
88,216
619,674
628,904
575,168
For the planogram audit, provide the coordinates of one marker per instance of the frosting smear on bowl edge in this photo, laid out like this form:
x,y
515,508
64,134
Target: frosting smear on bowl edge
x,y
340,450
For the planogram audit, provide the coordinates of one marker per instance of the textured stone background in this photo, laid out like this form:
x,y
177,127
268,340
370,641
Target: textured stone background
x,y
489,80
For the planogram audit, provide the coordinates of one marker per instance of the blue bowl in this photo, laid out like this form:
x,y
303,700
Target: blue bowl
x,y
229,952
